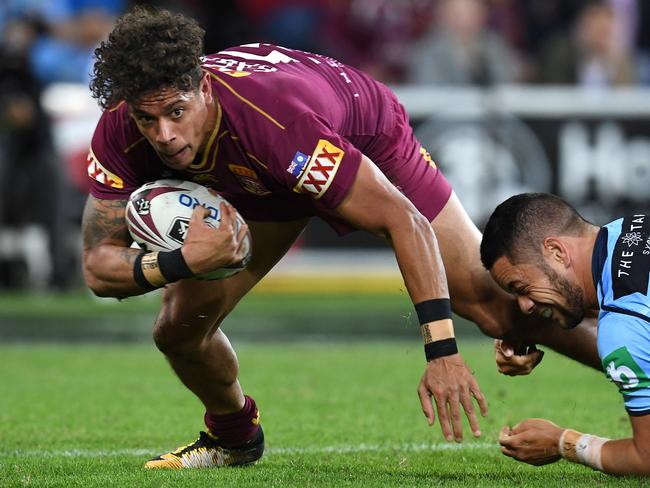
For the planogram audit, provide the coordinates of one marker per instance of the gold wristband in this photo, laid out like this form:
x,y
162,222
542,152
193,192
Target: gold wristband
x,y
151,270
437,330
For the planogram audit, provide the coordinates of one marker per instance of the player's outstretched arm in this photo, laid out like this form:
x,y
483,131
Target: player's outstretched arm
x,y
375,205
540,441
110,264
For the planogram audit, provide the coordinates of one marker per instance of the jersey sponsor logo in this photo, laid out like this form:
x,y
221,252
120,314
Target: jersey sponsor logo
x,y
249,180
298,164
236,68
321,169
622,369
427,157
631,257
273,57
100,174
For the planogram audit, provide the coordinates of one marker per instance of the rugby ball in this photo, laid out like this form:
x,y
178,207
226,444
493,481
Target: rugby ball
x,y
158,215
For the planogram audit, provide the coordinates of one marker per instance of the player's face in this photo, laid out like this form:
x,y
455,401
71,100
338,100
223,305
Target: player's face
x,y
176,123
541,290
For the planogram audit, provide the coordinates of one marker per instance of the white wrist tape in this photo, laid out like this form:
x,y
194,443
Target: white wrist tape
x,y
582,448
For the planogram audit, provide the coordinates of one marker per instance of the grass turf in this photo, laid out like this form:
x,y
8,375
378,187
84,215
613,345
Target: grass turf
x,y
333,414
79,317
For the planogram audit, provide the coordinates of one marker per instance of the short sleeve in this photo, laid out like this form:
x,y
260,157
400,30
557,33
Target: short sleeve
x,y
111,175
310,158
624,349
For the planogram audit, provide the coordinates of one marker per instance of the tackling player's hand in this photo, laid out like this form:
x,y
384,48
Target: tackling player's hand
x,y
533,441
510,362
451,384
205,248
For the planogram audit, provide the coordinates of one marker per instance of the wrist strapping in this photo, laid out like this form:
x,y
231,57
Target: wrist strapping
x,y
173,266
156,269
432,310
138,273
439,349
437,329
582,448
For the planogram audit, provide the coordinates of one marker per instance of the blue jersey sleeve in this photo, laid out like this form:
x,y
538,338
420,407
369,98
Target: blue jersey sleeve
x,y
624,349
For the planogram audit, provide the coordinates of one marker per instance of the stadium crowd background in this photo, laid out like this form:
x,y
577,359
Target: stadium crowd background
x,y
583,44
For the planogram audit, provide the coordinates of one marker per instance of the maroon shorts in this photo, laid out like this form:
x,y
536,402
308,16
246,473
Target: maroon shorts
x,y
406,164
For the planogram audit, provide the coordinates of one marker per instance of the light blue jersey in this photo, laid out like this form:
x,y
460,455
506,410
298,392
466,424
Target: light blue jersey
x,y
621,271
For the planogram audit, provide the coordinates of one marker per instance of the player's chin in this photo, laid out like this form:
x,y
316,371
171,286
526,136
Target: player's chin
x,y
179,161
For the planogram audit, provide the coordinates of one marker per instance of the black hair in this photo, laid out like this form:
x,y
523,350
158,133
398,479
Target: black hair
x,y
517,227
148,49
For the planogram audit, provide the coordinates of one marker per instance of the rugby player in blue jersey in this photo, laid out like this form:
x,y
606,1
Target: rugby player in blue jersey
x,y
563,268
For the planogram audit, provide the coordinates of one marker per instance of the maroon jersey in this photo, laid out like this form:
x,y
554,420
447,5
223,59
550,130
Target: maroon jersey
x,y
287,143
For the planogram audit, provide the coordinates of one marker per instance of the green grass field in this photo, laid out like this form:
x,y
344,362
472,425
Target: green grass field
x,y
334,414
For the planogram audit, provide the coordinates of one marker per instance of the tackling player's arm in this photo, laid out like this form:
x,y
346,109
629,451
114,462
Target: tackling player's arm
x,y
375,205
539,441
113,269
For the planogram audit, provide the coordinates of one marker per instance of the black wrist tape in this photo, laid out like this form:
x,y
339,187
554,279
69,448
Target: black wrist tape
x,y
138,274
432,310
173,266
438,349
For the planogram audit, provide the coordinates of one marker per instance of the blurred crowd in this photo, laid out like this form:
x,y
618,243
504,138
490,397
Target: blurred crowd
x,y
455,42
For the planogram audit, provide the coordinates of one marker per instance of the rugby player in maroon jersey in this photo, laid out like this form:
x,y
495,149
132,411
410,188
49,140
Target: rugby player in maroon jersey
x,y
283,135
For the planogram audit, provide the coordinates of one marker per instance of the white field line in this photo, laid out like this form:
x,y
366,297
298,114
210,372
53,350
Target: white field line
x,y
273,451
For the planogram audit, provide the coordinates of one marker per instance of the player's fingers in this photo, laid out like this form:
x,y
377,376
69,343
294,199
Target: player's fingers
x,y
520,364
443,415
425,401
456,417
228,217
241,241
513,366
468,406
200,213
538,354
504,435
241,234
520,427
509,452
503,348
530,360
480,398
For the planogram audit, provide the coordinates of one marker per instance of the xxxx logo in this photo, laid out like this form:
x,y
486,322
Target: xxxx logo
x,y
98,173
319,173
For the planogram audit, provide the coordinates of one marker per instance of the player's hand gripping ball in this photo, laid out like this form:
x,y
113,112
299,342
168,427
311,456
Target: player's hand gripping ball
x,y
158,215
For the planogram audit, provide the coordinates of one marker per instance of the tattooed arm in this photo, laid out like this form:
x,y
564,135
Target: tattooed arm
x,y
107,258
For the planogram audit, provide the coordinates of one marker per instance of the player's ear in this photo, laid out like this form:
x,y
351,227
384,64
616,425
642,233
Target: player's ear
x,y
206,87
557,251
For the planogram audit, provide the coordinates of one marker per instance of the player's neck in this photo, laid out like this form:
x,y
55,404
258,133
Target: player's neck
x,y
214,116
213,120
586,273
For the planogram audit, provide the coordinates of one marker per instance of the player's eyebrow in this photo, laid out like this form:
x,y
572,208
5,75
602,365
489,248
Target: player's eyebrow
x,y
168,107
514,286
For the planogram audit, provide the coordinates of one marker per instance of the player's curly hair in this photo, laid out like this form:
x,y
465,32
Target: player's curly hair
x,y
148,49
